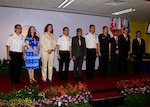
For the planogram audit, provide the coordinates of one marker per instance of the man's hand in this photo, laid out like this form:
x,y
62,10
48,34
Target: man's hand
x,y
84,57
58,56
98,54
117,52
134,55
8,58
128,52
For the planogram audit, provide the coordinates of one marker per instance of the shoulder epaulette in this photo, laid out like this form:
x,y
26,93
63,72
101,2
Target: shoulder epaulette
x,y
10,34
87,33
23,36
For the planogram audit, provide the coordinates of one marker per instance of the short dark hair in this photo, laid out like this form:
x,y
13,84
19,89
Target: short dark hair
x,y
78,29
65,28
91,25
125,28
46,28
115,30
17,25
105,27
138,31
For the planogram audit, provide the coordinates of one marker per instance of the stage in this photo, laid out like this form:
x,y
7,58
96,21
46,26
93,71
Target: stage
x,y
101,88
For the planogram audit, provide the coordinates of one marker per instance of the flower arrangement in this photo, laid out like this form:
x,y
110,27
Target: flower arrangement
x,y
137,91
21,98
71,96
65,96
28,92
17,103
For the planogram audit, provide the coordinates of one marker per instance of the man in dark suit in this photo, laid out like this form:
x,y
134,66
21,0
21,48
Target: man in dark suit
x,y
138,52
104,41
78,53
125,51
116,46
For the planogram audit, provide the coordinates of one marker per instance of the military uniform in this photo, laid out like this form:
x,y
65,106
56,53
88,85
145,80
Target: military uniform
x,y
91,41
64,51
16,44
104,50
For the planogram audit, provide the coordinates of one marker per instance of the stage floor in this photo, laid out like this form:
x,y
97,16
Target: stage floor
x,y
101,88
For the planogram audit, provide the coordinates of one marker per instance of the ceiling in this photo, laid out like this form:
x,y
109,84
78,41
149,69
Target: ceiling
x,y
93,7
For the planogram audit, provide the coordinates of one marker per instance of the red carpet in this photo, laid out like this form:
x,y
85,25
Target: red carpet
x,y
97,84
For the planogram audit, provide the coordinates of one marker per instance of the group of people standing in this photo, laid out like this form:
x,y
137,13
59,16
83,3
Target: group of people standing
x,y
77,48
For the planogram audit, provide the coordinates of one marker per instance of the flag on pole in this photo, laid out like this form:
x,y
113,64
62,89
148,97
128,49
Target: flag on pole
x,y
112,26
124,22
119,26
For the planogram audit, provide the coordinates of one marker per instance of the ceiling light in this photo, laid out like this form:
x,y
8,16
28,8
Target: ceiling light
x,y
115,2
123,11
65,3
68,3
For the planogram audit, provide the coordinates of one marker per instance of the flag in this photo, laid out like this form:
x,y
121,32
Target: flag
x,y
119,26
124,22
112,26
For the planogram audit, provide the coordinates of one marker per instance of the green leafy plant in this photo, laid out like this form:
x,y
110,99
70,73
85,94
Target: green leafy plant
x,y
28,92
137,92
8,96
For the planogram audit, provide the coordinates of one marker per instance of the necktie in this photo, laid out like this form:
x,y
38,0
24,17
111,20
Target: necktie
x,y
116,40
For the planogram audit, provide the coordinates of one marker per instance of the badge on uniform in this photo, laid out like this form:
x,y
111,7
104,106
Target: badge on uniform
x,y
103,37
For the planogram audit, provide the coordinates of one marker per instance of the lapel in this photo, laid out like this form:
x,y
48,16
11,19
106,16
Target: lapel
x,y
141,41
114,40
76,41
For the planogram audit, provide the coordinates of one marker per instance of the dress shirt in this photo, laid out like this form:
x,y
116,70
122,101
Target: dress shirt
x,y
91,40
64,42
139,40
116,39
125,36
16,42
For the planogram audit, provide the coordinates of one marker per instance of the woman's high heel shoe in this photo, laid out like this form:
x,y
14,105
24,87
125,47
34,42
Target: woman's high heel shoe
x,y
34,80
31,81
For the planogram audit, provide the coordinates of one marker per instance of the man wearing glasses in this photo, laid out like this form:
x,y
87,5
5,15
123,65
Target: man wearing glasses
x,y
15,50
125,50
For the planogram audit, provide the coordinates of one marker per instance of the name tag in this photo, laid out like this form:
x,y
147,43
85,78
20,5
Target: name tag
x,y
35,47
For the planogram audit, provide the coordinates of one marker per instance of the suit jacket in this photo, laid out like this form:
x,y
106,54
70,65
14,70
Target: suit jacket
x,y
104,44
78,50
46,43
125,46
138,49
116,46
